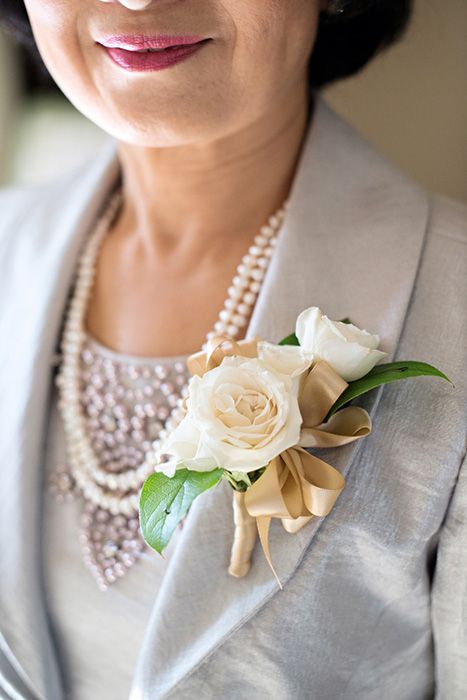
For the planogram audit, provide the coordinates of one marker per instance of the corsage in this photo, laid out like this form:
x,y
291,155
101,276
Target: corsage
x,y
252,413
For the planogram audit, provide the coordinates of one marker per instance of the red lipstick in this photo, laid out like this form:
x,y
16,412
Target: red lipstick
x,y
148,53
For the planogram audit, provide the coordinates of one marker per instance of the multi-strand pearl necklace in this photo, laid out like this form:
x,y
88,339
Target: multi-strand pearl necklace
x,y
118,493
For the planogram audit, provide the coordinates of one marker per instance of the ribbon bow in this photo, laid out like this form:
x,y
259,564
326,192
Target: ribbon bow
x,y
295,485
201,362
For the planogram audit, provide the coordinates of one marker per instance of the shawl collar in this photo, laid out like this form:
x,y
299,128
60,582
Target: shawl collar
x,y
350,243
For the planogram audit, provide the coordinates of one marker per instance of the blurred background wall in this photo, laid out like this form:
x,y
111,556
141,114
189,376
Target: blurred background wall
x,y
411,102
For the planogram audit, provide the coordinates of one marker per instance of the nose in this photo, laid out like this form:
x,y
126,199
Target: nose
x,y
131,4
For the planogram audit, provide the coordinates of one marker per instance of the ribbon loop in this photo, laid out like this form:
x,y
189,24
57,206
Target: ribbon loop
x,y
295,484
320,388
347,425
201,362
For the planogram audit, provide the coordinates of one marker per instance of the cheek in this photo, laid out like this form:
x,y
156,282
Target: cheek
x,y
273,40
56,25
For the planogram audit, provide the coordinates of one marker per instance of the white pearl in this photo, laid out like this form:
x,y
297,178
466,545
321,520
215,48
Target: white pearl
x,y
71,347
256,251
255,287
244,270
229,304
258,274
225,315
112,483
234,292
240,282
239,320
90,478
249,298
81,294
250,259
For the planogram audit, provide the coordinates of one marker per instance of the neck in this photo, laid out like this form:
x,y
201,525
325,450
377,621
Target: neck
x,y
202,194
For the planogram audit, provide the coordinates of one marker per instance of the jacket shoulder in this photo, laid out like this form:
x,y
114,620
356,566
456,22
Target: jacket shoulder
x,y
23,206
15,200
443,262
436,326
448,219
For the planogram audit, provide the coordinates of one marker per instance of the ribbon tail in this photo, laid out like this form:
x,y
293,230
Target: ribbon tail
x,y
293,525
263,522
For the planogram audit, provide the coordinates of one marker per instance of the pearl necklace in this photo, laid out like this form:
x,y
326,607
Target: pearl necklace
x,y
116,492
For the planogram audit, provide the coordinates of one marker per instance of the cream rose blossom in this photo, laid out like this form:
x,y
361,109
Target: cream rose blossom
x,y
291,360
350,351
241,414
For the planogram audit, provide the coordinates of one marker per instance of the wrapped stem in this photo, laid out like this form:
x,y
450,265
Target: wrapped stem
x,y
244,536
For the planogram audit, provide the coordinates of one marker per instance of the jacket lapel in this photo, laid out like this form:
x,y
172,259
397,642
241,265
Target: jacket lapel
x,y
351,244
40,246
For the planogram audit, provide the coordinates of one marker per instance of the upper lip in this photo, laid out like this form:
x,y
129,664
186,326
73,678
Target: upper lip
x,y
133,42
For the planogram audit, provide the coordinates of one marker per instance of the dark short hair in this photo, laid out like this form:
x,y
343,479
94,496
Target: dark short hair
x,y
346,40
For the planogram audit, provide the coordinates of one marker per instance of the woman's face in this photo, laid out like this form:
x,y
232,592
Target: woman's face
x,y
255,59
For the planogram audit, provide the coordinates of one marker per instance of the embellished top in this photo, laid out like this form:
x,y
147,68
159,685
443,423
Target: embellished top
x,y
126,401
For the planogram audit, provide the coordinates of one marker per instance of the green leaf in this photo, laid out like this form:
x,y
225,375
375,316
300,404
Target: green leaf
x,y
383,374
289,340
164,501
240,481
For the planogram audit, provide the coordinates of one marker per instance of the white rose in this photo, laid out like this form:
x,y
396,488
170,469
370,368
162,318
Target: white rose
x,y
286,359
351,352
240,415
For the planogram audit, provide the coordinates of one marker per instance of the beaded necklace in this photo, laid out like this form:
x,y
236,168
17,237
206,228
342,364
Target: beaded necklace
x,y
112,497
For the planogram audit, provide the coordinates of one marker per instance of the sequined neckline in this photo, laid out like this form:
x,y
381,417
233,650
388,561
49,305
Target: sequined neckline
x,y
105,351
125,402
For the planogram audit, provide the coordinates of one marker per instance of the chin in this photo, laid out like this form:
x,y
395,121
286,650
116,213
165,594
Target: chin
x,y
150,128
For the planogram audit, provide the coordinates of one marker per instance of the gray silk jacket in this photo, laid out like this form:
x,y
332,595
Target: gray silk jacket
x,y
374,604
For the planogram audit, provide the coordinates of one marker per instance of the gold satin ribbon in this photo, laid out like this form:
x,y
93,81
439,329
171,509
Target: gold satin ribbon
x,y
218,347
296,485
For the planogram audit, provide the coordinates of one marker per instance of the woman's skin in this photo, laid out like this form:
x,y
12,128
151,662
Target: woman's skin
x,y
208,149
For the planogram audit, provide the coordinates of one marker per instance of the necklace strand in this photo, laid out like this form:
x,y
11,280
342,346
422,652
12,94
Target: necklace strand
x,y
119,493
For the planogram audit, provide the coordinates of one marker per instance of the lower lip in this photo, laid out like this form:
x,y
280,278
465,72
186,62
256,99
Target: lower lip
x,y
153,60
